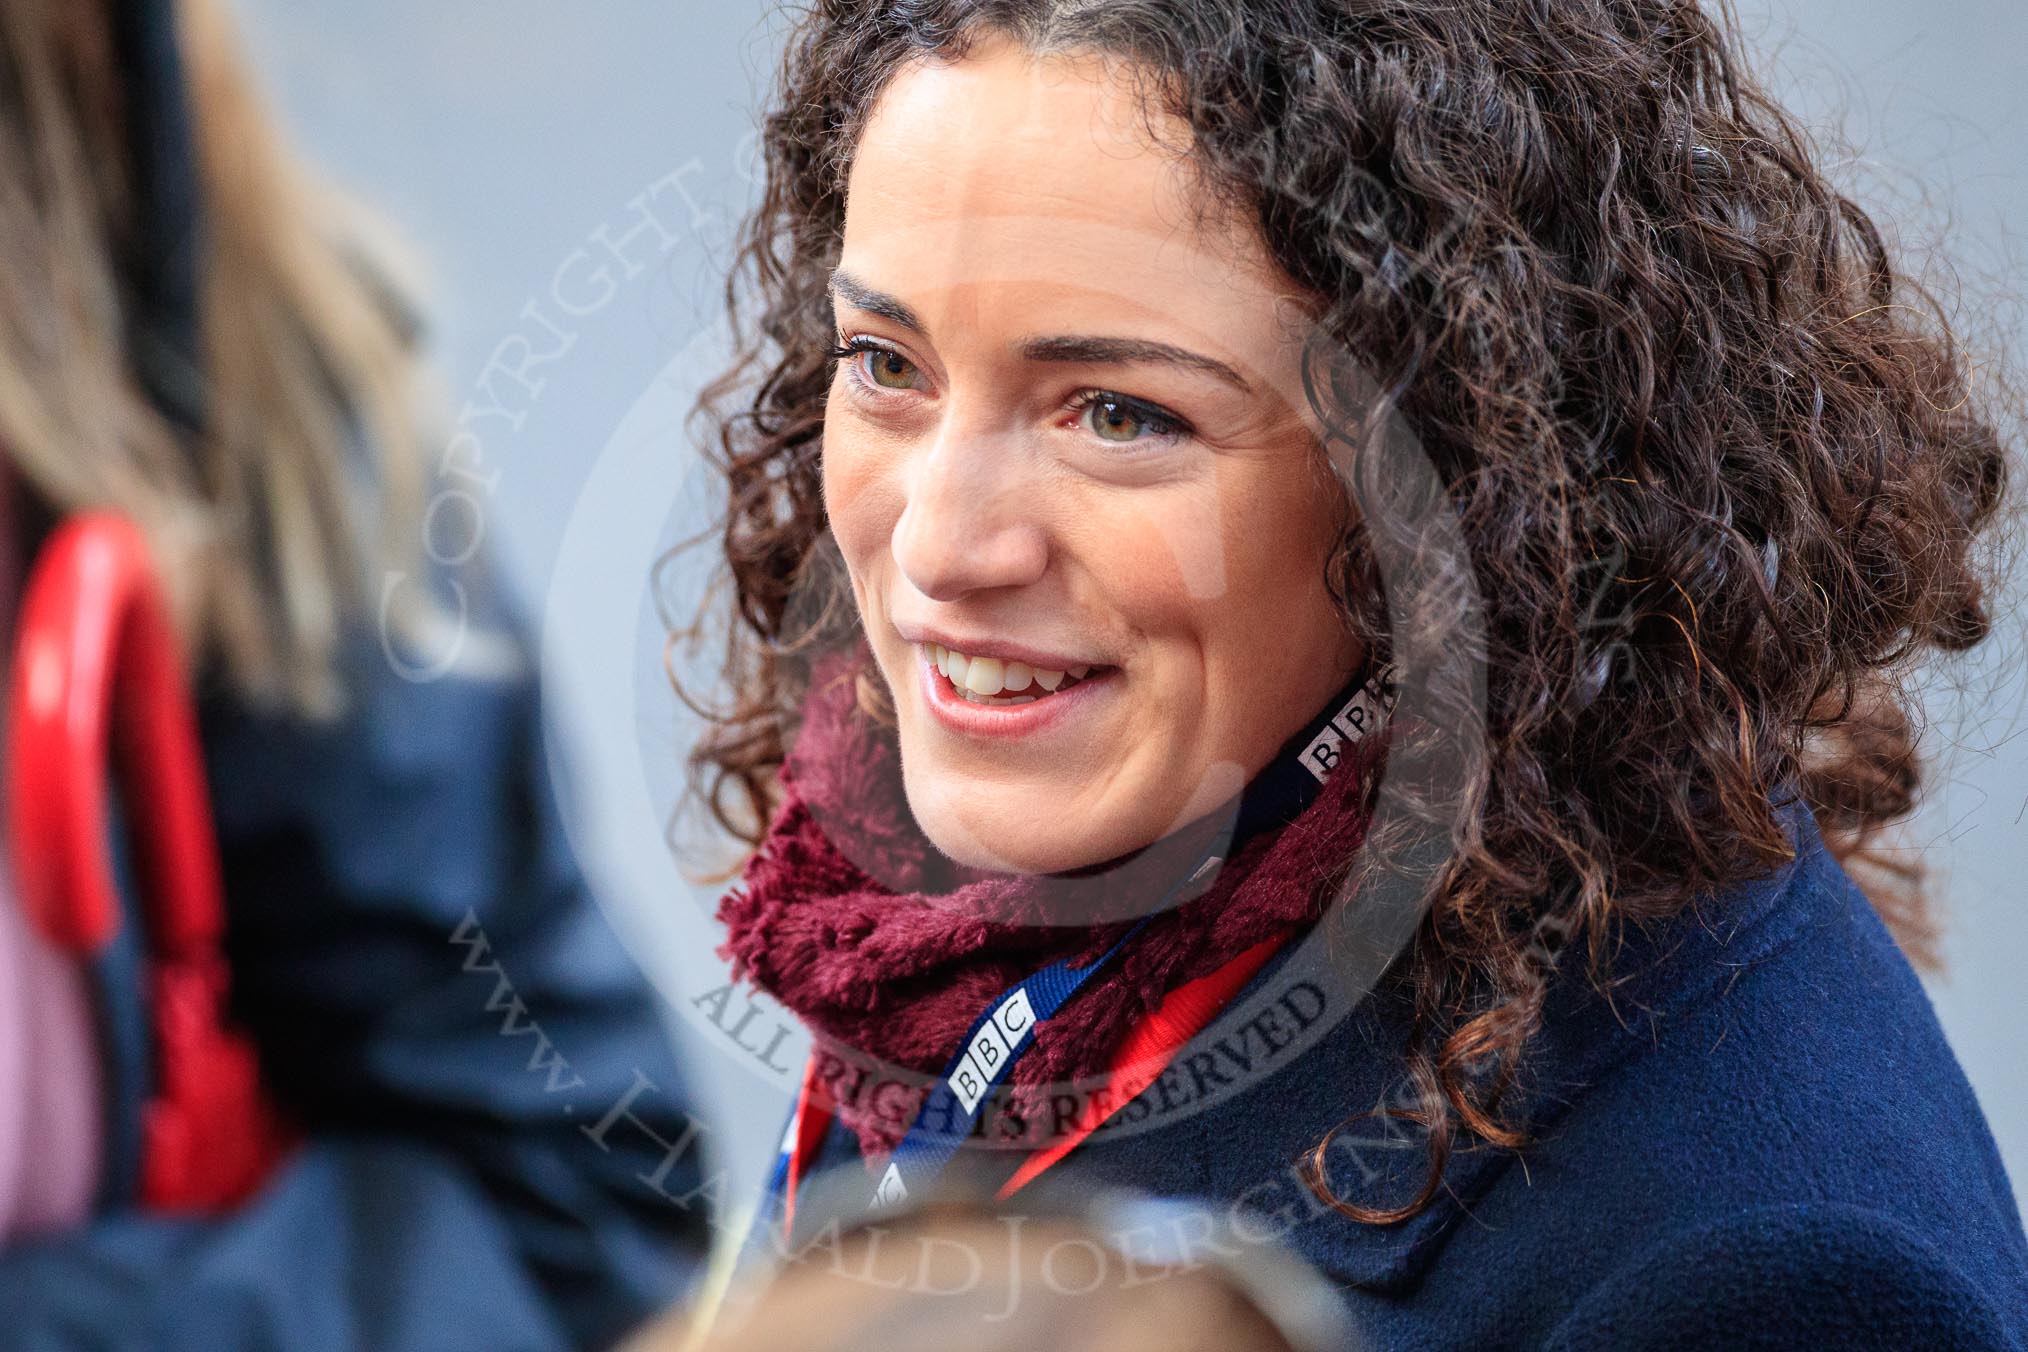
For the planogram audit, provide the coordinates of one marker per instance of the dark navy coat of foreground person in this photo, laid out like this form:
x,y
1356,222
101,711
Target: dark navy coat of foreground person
x,y
1764,1141
482,1077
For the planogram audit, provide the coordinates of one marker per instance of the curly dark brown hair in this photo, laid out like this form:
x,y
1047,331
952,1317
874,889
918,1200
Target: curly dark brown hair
x,y
1721,466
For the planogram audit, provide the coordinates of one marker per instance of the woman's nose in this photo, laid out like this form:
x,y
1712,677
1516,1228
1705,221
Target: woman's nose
x,y
973,519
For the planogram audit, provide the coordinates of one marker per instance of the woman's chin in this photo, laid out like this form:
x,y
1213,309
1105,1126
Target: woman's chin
x,y
1002,851
1012,834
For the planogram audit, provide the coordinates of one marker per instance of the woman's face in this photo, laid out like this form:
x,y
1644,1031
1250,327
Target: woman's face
x,y
1068,467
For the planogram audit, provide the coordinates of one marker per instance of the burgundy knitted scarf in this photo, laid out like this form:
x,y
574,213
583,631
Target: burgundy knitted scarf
x,y
888,950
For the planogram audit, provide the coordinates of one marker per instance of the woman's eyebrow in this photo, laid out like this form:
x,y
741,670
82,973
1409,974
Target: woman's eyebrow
x,y
1123,351
875,302
1084,350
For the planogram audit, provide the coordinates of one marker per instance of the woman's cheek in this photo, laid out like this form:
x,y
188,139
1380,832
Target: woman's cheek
x,y
1166,548
850,476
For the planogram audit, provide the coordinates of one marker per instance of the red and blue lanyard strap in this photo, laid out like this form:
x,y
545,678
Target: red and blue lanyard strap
x,y
1005,1031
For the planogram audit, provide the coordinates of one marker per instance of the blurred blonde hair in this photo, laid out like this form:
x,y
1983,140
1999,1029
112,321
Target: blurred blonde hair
x,y
265,533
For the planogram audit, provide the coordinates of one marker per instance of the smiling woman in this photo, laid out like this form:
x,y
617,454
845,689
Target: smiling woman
x,y
1062,512
1042,452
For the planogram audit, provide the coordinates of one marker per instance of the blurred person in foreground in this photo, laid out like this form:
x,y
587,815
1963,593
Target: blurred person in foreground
x,y
473,1077
1066,1268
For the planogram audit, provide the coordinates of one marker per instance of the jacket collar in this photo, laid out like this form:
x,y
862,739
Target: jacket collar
x,y
1658,970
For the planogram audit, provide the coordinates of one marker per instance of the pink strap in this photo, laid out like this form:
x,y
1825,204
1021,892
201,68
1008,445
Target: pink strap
x,y
51,1119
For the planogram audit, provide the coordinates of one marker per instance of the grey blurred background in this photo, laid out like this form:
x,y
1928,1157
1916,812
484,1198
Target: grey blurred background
x,y
569,174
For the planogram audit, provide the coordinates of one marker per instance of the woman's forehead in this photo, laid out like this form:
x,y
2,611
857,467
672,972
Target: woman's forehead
x,y
1018,191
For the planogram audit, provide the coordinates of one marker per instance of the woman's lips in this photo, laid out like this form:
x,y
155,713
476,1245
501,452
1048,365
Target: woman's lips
x,y
1046,710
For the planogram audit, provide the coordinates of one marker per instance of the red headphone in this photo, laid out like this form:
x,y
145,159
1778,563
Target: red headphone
x,y
96,671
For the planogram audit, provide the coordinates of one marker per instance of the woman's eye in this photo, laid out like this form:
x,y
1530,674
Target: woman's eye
x,y
1112,417
1122,420
890,370
874,364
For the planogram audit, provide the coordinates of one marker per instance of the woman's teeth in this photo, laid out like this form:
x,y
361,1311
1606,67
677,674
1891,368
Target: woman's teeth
x,y
988,680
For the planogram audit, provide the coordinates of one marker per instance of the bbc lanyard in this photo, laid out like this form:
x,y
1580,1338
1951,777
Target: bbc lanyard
x,y
1005,1030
